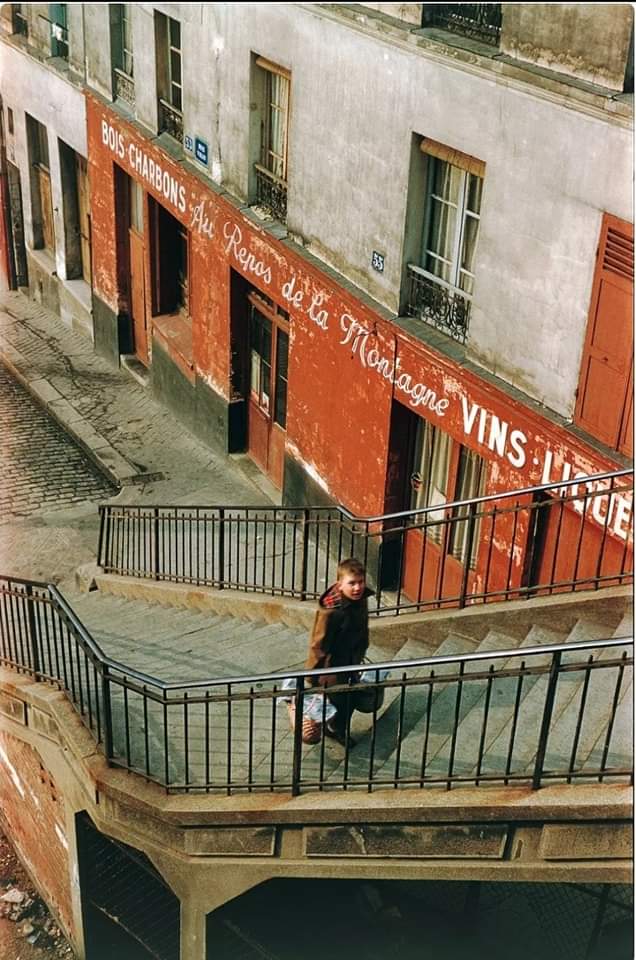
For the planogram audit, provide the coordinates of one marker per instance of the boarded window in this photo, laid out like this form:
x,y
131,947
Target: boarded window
x,y
604,407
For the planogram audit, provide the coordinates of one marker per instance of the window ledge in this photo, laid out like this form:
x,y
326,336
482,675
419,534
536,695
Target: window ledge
x,y
44,258
174,333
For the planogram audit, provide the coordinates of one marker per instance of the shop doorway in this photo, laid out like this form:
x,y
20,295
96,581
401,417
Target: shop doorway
x,y
434,555
17,249
268,352
137,255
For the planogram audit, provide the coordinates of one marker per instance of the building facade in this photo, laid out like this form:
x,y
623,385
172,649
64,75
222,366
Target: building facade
x,y
384,249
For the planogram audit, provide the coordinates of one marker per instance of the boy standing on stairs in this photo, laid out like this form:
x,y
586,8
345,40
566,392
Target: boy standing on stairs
x,y
340,636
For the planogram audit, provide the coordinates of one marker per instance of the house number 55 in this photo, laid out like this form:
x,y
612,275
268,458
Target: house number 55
x,y
377,261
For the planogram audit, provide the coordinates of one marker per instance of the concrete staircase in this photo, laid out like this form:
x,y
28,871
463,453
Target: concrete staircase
x,y
194,736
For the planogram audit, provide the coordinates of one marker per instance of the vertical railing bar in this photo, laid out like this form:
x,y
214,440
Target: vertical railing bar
x,y
108,714
484,726
491,542
126,723
146,730
548,707
250,741
556,544
599,563
374,728
221,549
470,520
228,765
272,756
400,729
298,736
458,699
515,720
579,542
579,719
516,511
427,727
166,741
186,732
612,717
207,741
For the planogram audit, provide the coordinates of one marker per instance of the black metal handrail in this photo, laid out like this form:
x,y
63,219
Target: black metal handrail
x,y
294,552
509,716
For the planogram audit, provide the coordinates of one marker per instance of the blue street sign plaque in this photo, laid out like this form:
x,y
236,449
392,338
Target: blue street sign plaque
x,y
201,151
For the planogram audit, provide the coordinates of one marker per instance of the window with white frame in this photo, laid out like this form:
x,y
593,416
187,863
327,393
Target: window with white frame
x,y
272,85
442,279
169,75
122,52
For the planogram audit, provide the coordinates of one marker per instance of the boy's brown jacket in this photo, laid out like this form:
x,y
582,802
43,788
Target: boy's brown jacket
x,y
340,634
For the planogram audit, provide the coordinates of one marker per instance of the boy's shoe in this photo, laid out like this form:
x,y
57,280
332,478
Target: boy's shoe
x,y
338,735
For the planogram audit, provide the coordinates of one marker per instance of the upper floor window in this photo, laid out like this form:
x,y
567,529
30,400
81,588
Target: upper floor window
x,y
19,22
122,52
441,281
169,79
59,30
272,87
481,21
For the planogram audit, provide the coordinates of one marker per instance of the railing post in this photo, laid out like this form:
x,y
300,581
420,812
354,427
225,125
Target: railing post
x,y
221,559
298,735
100,541
304,555
108,714
155,535
33,635
546,719
472,508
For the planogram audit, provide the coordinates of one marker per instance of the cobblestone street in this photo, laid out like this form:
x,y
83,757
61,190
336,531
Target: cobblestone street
x,y
42,469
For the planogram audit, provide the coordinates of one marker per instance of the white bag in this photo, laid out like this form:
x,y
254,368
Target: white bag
x,y
312,703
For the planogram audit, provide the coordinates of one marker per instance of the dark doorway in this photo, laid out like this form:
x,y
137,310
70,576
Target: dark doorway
x,y
128,910
17,248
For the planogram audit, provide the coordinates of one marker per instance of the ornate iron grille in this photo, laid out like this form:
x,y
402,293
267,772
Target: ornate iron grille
x,y
448,310
124,87
170,120
271,192
482,21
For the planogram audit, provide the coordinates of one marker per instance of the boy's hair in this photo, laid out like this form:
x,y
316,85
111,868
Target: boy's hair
x,y
352,567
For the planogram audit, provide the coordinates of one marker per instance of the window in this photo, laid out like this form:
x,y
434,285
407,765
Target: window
x,y
19,22
170,259
441,282
272,84
122,52
169,79
76,213
10,127
471,482
59,31
43,231
445,471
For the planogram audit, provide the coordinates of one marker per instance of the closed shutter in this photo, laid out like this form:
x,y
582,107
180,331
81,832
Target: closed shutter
x,y
46,202
603,402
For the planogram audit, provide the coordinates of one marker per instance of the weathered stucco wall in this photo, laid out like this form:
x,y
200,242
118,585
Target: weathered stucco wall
x,y
584,40
29,87
543,197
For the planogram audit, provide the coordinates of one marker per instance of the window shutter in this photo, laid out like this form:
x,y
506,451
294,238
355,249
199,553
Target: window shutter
x,y
455,157
603,403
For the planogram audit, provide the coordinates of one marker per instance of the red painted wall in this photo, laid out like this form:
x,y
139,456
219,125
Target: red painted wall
x,y
346,363
33,809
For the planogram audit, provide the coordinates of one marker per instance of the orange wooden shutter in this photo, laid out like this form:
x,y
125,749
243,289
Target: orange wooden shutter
x,y
603,401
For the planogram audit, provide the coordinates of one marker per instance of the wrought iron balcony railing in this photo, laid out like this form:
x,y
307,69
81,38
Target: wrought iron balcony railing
x,y
170,120
271,192
481,21
124,87
443,307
